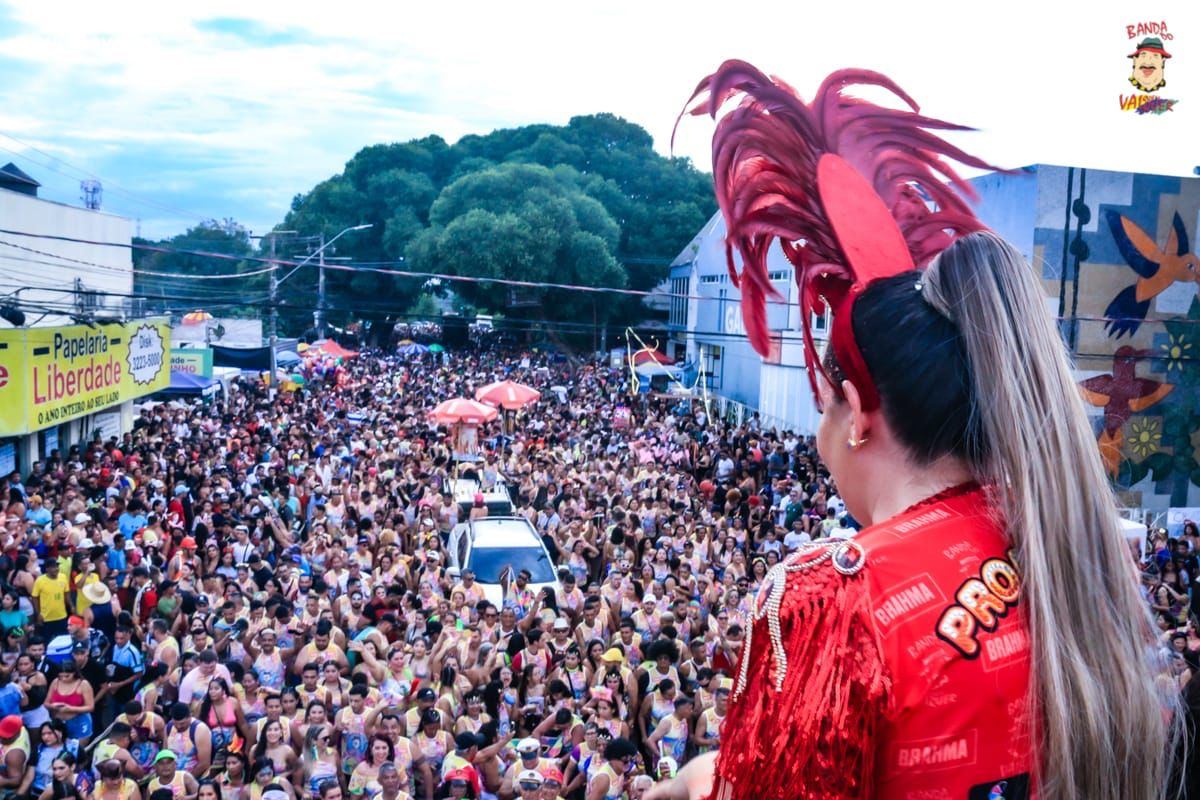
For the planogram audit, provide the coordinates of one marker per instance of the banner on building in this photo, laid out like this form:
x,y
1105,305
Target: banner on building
x,y
192,360
51,375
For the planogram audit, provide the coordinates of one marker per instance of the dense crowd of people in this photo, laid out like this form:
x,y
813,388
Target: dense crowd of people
x,y
251,599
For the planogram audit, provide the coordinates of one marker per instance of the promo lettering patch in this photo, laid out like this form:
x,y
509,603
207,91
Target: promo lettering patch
x,y
981,603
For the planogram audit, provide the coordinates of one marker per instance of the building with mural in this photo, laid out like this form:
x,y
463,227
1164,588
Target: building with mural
x,y
1117,254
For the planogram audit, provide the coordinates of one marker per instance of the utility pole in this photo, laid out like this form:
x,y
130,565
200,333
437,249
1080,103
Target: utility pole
x,y
273,311
274,330
319,314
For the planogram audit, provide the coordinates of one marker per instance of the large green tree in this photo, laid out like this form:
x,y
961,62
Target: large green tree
x,y
589,202
155,283
522,221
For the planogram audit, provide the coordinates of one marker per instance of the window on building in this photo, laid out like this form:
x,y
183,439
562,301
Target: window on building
x,y
820,322
778,275
711,357
711,278
679,302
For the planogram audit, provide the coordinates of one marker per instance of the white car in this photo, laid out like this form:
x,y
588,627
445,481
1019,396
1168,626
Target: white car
x,y
489,546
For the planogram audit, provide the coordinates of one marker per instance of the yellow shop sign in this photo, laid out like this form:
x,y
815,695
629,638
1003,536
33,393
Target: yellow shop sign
x,y
51,375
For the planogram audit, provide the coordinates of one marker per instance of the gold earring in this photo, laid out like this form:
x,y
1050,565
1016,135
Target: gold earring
x,y
854,444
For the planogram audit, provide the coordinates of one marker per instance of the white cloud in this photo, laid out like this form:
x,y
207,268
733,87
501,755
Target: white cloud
x,y
272,108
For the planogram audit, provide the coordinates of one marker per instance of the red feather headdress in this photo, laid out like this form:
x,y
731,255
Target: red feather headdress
x,y
841,183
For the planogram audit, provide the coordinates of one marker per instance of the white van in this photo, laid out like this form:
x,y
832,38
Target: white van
x,y
490,545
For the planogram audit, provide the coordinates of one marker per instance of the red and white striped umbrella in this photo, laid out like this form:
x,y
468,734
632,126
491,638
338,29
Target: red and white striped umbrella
x,y
507,394
460,410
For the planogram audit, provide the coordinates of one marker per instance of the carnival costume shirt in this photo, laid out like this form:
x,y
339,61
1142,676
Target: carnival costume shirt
x,y
894,665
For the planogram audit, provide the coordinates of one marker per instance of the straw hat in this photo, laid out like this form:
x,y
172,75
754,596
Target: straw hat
x,y
97,593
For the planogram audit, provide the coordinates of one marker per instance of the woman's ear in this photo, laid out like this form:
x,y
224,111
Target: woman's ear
x,y
860,424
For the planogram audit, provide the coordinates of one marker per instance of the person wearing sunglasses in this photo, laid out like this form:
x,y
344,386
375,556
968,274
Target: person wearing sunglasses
x,y
320,760
608,783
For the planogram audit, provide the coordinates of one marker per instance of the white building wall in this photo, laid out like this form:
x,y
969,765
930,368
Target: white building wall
x,y
48,276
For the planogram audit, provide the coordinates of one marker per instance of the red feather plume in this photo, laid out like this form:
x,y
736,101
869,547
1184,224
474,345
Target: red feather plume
x,y
765,156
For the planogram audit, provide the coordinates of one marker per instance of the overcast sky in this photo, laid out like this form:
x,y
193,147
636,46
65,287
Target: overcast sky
x,y
229,109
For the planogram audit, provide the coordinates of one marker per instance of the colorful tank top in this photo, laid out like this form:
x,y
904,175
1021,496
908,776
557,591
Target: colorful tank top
x,y
613,725
270,670
616,783
354,738
660,709
183,744
320,772
364,782
404,759
674,741
128,787
712,730
577,680
657,677
145,745
143,697
176,784
434,750
395,689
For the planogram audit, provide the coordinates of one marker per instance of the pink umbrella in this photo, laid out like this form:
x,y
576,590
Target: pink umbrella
x,y
507,394
460,410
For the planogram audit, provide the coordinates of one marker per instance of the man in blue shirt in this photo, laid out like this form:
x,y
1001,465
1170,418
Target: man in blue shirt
x,y
132,520
125,666
37,514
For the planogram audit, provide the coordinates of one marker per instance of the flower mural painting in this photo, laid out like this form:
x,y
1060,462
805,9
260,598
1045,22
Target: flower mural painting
x,y
1143,438
1177,351
1121,394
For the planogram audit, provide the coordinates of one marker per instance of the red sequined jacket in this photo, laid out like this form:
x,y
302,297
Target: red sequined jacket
x,y
894,665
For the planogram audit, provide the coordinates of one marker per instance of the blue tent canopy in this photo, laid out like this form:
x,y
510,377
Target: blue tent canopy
x,y
285,358
189,384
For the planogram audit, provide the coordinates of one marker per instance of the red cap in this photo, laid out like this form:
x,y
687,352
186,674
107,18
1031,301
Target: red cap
x,y
10,726
552,774
78,622
188,543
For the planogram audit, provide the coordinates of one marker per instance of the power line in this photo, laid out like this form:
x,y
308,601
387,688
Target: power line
x,y
137,271
276,263
379,270
108,185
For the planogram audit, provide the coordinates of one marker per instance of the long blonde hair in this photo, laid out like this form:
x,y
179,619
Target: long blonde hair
x,y
1099,716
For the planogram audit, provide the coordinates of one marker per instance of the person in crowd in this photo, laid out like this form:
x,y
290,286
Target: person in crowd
x,y
264,533
168,776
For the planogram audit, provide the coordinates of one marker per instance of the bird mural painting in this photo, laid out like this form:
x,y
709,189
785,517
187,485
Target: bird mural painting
x,y
1121,394
1157,268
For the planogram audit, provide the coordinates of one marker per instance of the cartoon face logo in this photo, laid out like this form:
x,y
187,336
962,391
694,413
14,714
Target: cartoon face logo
x,y
997,791
1148,61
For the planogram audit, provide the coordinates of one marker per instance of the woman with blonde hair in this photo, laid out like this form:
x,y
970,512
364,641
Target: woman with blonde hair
x,y
947,649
